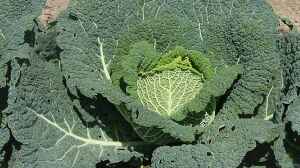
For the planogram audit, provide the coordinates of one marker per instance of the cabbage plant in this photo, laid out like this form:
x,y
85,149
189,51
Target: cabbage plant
x,y
117,83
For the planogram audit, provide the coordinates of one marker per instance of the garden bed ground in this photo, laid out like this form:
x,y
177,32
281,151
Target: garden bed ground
x,y
287,8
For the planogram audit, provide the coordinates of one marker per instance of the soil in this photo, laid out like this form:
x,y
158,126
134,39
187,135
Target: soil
x,y
289,9
52,9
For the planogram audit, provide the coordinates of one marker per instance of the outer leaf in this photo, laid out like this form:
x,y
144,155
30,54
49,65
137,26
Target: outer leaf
x,y
215,153
156,129
185,156
293,116
15,18
286,148
247,39
13,10
290,61
3,67
4,133
91,32
42,117
282,156
3,79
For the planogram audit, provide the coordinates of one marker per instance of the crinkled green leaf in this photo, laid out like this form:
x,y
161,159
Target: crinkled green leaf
x,y
80,58
293,116
3,71
15,18
185,156
225,148
53,129
3,67
4,133
286,148
281,154
288,46
217,86
156,129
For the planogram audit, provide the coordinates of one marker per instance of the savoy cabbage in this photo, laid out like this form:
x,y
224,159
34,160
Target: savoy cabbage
x,y
112,83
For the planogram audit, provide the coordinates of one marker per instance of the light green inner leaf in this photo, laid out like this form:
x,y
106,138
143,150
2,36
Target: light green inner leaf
x,y
169,91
